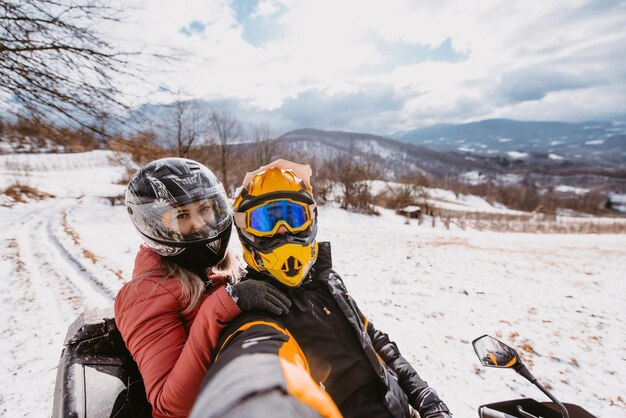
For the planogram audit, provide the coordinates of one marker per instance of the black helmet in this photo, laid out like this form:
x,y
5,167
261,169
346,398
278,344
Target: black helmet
x,y
179,206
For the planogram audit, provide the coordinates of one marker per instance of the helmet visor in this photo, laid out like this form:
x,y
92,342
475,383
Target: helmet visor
x,y
266,219
175,224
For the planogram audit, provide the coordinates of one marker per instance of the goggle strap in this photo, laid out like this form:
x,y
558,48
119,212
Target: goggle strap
x,y
240,219
312,211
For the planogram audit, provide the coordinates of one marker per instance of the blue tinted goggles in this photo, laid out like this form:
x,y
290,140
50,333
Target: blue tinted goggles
x,y
266,219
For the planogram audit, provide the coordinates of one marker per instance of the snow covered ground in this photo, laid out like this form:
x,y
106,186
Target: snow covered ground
x,y
559,299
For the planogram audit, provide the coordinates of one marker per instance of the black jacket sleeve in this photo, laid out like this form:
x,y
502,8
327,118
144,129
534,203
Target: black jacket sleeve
x,y
421,397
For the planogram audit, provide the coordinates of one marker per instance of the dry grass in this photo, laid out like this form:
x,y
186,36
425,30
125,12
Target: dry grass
x,y
72,234
529,223
20,193
116,200
528,347
87,253
19,264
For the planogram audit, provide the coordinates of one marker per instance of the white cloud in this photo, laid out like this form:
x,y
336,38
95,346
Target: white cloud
x,y
560,59
265,8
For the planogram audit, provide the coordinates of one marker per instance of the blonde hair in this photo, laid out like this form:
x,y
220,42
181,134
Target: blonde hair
x,y
191,285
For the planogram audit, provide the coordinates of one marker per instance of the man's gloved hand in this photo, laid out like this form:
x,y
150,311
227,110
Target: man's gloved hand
x,y
255,294
433,414
438,415
438,410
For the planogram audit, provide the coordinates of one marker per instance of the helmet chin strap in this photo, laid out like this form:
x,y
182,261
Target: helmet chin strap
x,y
204,254
199,257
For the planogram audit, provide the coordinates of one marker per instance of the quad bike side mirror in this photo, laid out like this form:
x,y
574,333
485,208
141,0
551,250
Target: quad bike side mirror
x,y
494,353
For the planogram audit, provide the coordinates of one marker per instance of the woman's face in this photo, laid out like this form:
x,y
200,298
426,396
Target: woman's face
x,y
189,219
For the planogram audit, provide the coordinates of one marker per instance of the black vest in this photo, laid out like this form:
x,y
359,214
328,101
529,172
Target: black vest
x,y
325,322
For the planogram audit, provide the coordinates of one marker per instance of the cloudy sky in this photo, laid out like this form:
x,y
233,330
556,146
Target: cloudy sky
x,y
383,67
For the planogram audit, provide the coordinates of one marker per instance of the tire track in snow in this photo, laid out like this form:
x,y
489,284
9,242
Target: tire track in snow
x,y
96,266
31,267
30,320
55,277
44,289
83,278
39,304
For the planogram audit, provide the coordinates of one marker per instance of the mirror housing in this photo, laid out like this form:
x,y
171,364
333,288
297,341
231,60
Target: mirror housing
x,y
494,353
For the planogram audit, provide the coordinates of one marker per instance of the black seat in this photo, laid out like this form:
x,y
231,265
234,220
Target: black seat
x,y
97,377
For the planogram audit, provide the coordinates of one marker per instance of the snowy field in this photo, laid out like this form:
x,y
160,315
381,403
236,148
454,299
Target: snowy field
x,y
559,299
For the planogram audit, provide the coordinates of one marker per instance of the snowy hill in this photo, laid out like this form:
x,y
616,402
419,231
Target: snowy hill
x,y
404,159
433,290
399,159
595,143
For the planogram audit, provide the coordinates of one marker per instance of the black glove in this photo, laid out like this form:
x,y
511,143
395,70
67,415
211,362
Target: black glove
x,y
438,415
254,294
438,410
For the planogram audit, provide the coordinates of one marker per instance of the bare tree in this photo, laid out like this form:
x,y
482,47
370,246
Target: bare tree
x,y
142,147
226,130
138,149
54,62
401,195
265,147
190,125
354,174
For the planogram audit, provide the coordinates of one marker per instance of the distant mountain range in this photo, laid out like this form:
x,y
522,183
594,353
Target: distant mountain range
x,y
598,144
505,166
590,155
601,144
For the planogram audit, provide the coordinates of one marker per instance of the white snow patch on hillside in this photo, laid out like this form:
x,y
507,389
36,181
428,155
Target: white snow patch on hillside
x,y
571,189
475,201
75,175
374,147
446,199
473,177
618,201
516,154
318,148
509,179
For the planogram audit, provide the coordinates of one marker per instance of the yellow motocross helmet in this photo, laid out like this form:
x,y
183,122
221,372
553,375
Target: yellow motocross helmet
x,y
276,219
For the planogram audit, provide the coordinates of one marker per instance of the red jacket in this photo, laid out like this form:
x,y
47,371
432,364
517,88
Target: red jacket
x,y
172,349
